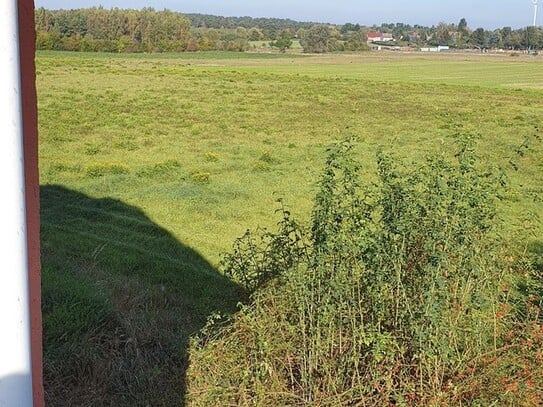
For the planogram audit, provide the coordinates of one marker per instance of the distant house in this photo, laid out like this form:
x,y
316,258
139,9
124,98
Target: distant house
x,y
376,36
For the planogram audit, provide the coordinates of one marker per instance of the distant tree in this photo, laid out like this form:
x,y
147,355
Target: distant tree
x,y
43,20
531,38
335,43
208,39
515,40
356,41
480,38
505,37
494,39
463,26
443,34
462,37
283,41
233,40
256,34
242,33
70,22
399,30
349,27
424,35
317,39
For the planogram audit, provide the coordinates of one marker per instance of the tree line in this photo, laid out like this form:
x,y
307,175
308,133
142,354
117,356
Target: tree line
x,y
461,36
269,26
149,30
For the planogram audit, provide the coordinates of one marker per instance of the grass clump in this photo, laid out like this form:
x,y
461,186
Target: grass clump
x,y
212,157
201,177
265,162
58,168
398,293
103,169
266,157
160,169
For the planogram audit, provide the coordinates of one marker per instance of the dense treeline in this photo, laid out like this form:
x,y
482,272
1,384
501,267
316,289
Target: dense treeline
x,y
269,26
115,30
148,30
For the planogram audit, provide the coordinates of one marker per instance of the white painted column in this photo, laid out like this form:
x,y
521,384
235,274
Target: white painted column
x,y
15,364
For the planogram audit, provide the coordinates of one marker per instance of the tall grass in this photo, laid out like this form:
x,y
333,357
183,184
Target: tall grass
x,y
394,294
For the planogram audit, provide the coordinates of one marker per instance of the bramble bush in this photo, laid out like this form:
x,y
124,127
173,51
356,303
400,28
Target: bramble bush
x,y
398,293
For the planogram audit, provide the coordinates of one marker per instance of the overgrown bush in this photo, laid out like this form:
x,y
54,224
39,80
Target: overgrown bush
x,y
396,294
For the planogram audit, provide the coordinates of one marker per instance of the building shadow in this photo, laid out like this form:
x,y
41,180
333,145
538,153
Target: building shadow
x,y
121,299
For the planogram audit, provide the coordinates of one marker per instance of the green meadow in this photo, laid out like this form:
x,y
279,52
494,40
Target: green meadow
x,y
151,166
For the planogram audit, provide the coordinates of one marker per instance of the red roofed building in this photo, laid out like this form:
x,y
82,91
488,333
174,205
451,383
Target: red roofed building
x,y
376,36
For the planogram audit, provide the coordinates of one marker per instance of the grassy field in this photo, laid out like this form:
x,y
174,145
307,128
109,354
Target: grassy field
x,y
152,164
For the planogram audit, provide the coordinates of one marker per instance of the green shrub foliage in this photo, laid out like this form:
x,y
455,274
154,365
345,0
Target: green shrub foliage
x,y
385,298
256,259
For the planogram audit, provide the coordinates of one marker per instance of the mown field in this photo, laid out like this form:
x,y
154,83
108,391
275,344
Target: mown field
x,y
151,165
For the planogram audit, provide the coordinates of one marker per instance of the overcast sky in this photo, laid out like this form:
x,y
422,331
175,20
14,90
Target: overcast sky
x,y
478,13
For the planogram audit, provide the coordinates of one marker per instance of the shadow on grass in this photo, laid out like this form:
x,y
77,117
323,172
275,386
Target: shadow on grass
x,y
121,298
